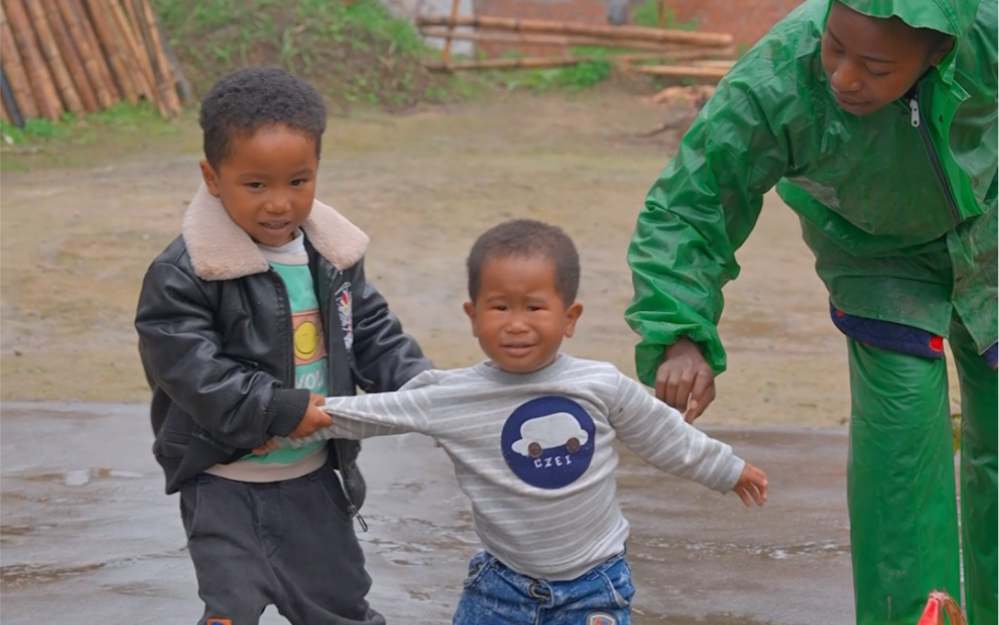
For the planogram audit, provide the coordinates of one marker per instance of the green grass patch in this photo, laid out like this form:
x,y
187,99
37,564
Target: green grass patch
x,y
573,77
120,117
41,142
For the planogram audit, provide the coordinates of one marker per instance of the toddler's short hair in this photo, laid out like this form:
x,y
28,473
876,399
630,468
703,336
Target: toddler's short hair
x,y
527,238
245,100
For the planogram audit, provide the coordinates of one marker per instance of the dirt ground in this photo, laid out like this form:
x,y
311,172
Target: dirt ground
x,y
78,236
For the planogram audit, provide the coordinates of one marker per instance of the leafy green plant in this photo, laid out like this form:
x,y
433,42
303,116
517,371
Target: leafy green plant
x,y
585,74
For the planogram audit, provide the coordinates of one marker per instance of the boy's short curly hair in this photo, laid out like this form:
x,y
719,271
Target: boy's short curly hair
x,y
531,239
245,100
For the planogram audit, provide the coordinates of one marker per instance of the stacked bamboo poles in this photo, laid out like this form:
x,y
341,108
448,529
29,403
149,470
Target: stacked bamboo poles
x,y
708,53
79,56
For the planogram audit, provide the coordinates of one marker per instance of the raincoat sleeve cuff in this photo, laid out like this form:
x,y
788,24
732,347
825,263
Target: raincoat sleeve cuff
x,y
650,352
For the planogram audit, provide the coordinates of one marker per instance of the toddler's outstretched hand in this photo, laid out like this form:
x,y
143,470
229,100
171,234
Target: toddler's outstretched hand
x,y
752,486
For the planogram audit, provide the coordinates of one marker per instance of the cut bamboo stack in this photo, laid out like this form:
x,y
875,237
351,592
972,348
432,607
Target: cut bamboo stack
x,y
684,53
79,56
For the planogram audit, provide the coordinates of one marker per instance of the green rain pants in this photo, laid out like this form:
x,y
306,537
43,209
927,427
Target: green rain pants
x,y
900,483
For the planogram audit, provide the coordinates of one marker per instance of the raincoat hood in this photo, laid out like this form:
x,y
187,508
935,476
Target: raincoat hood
x,y
954,17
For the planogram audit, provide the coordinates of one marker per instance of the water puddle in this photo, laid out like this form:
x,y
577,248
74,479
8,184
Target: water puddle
x,y
774,552
80,477
20,575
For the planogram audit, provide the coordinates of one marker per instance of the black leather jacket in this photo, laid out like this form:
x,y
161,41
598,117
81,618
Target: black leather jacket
x,y
218,355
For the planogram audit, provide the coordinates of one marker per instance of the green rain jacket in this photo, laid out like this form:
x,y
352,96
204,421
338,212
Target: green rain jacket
x,y
899,206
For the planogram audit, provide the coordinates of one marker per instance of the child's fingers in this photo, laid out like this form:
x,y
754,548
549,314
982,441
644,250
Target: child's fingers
x,y
678,391
759,494
741,492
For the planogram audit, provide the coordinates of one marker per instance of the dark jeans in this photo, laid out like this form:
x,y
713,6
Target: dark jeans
x,y
289,544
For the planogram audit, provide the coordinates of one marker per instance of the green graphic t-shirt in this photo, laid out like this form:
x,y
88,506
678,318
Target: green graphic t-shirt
x,y
292,263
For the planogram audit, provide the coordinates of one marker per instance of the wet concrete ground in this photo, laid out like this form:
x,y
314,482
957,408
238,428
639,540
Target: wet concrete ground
x,y
88,537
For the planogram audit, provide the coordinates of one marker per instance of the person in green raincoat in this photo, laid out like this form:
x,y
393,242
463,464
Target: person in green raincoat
x,y
876,122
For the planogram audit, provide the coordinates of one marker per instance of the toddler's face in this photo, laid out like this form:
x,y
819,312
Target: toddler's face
x,y
267,183
872,61
518,314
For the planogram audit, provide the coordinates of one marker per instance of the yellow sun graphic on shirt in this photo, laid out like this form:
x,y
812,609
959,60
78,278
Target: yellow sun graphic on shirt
x,y
306,340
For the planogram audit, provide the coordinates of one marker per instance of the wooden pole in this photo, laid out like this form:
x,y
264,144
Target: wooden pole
x,y
694,55
536,61
556,61
560,41
14,72
71,57
133,17
49,104
135,59
568,41
3,112
50,50
638,33
139,58
9,103
680,70
91,55
113,49
166,81
184,89
446,49
721,63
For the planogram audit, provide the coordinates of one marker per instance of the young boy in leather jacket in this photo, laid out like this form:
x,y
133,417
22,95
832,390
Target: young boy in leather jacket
x,y
257,311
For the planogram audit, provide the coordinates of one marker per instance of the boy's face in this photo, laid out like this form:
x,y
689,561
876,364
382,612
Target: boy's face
x,y
267,183
872,61
518,314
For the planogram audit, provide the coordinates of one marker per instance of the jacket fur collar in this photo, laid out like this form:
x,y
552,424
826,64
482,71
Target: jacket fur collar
x,y
221,250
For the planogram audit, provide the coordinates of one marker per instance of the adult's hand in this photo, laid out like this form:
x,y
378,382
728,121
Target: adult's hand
x,y
685,380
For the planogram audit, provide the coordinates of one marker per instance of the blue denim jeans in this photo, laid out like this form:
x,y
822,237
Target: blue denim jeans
x,y
496,595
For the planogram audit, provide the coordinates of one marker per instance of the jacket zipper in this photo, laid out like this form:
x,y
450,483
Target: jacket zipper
x,y
352,511
916,119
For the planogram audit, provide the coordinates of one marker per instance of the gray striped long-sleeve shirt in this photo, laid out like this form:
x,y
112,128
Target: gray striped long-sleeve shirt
x,y
534,454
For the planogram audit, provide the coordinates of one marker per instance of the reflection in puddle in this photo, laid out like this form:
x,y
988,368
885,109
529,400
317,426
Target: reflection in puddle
x,y
80,477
